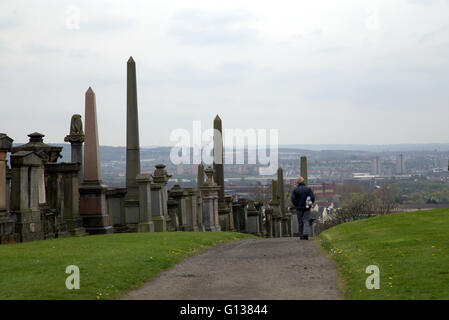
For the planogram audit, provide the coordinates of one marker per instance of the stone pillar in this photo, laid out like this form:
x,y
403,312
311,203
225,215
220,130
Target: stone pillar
x,y
159,199
223,210
192,206
274,205
199,199
132,147
76,140
179,195
209,194
260,209
253,219
243,214
25,183
228,220
268,222
93,206
200,179
145,222
63,196
7,234
115,198
218,158
282,211
304,169
294,222
236,215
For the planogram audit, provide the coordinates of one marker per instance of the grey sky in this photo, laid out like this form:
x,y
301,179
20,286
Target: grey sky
x,y
368,72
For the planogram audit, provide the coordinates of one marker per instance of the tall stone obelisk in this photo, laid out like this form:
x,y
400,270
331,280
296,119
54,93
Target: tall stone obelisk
x,y
304,169
218,158
93,208
132,148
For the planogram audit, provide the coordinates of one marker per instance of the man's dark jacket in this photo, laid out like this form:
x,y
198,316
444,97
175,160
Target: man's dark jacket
x,y
300,195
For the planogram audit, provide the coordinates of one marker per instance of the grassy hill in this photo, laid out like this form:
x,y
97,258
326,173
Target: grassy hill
x,y
410,249
110,265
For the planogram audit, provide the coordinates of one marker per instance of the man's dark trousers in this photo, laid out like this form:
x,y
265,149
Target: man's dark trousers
x,y
303,222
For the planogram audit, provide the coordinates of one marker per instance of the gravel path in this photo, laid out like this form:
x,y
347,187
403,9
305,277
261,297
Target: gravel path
x,y
260,269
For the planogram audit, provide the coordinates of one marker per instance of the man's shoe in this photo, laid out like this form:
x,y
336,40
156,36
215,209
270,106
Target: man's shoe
x,y
305,237
302,238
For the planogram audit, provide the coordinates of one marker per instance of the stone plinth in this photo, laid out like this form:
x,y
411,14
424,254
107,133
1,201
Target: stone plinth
x,y
268,223
259,207
209,194
27,193
157,211
63,196
293,222
253,219
236,215
93,205
159,194
115,198
172,206
276,218
179,195
192,206
145,219
243,214
225,214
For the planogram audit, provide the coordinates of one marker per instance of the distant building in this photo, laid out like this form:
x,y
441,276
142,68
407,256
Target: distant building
x,y
375,166
400,164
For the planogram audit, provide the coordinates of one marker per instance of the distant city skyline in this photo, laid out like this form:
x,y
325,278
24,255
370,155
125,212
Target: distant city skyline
x,y
322,72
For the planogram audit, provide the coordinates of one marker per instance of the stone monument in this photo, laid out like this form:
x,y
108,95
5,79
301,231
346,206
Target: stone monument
x,y
7,234
93,206
76,140
132,148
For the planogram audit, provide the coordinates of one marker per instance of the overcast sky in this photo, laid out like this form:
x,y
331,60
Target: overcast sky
x,y
325,72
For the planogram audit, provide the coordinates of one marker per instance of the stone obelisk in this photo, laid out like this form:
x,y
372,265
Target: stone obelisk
x,y
93,208
132,148
280,191
218,158
304,169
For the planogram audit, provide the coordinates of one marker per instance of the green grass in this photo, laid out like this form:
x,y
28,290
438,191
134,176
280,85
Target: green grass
x,y
110,265
410,249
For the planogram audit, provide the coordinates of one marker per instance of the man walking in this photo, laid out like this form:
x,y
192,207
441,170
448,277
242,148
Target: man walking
x,y
302,199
